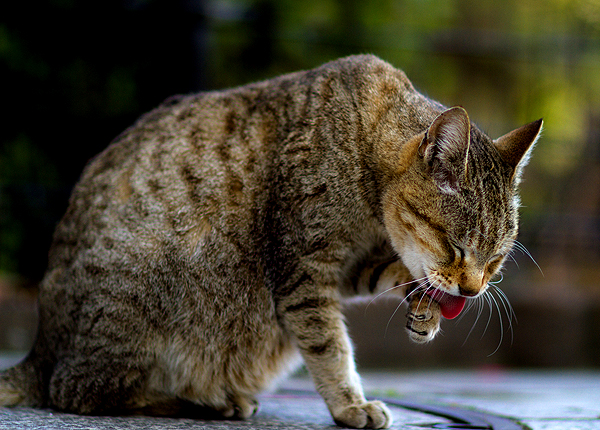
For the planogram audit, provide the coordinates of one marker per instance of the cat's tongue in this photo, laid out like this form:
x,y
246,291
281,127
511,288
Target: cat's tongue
x,y
451,306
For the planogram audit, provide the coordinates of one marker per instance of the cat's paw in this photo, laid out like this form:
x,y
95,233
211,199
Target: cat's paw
x,y
423,318
374,415
240,408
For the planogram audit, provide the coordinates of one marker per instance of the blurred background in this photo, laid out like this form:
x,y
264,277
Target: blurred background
x,y
75,73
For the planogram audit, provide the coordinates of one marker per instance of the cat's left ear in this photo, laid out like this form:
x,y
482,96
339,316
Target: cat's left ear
x,y
445,149
515,147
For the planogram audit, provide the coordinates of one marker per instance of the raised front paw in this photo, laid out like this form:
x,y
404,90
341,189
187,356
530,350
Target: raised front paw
x,y
374,415
423,318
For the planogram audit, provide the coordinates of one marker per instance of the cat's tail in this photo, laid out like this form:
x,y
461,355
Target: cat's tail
x,y
20,385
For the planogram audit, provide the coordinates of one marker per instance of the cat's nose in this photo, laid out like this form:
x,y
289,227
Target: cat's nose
x,y
468,291
470,284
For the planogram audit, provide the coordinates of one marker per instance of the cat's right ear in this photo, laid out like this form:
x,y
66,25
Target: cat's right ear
x,y
515,147
445,149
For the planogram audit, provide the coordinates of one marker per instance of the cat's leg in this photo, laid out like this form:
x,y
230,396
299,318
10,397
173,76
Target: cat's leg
x,y
106,384
423,318
389,277
392,277
313,315
238,408
101,383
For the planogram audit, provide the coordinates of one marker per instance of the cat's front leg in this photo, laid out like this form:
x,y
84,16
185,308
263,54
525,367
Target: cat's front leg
x,y
392,277
423,318
314,317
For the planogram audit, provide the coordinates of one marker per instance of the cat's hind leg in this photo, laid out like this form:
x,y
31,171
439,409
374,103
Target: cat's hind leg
x,y
99,384
106,382
238,408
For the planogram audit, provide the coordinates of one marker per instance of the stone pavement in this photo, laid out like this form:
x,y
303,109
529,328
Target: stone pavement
x,y
493,399
539,400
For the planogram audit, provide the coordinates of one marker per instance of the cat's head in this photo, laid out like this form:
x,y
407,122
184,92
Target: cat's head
x,y
452,213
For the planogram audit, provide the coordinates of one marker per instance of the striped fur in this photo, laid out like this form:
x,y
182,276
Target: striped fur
x,y
209,247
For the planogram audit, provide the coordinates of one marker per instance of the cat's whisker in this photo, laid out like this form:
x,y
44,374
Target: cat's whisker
x,y
478,301
513,315
469,305
493,283
415,290
396,311
480,307
390,319
526,252
514,260
492,298
487,299
402,302
518,245
418,288
430,301
495,299
510,314
396,287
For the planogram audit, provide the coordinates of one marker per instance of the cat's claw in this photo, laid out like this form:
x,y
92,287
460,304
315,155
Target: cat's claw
x,y
373,415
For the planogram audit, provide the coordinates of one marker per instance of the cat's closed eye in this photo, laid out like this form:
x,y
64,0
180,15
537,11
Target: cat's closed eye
x,y
459,252
494,263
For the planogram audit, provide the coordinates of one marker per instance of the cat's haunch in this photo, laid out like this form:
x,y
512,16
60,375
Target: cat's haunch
x,y
210,246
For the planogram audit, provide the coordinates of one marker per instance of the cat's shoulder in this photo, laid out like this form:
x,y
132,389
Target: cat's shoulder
x,y
362,70
365,65
369,74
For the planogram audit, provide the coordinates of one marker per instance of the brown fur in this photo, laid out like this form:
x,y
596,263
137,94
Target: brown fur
x,y
215,239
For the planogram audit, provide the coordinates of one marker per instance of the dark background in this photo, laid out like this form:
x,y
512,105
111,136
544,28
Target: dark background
x,y
76,73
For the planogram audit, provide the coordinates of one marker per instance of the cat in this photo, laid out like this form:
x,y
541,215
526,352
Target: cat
x,y
209,248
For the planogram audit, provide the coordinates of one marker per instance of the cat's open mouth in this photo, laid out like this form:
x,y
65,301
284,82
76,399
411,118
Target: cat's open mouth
x,y
450,305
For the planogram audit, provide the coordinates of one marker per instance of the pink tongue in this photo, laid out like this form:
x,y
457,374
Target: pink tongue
x,y
451,306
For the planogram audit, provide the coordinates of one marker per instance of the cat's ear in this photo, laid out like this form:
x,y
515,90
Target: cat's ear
x,y
445,148
515,147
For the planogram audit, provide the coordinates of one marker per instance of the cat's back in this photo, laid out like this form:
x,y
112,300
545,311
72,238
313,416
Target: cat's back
x,y
194,158
212,156
209,169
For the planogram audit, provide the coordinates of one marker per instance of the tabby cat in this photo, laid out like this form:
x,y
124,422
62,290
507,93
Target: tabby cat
x,y
210,246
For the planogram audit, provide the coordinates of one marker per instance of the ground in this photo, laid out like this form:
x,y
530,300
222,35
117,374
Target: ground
x,y
494,399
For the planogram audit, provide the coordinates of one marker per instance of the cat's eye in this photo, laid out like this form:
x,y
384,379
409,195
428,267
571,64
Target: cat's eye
x,y
459,252
494,262
496,258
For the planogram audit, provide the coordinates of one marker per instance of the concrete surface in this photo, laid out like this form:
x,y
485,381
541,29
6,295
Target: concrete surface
x,y
536,400
540,400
